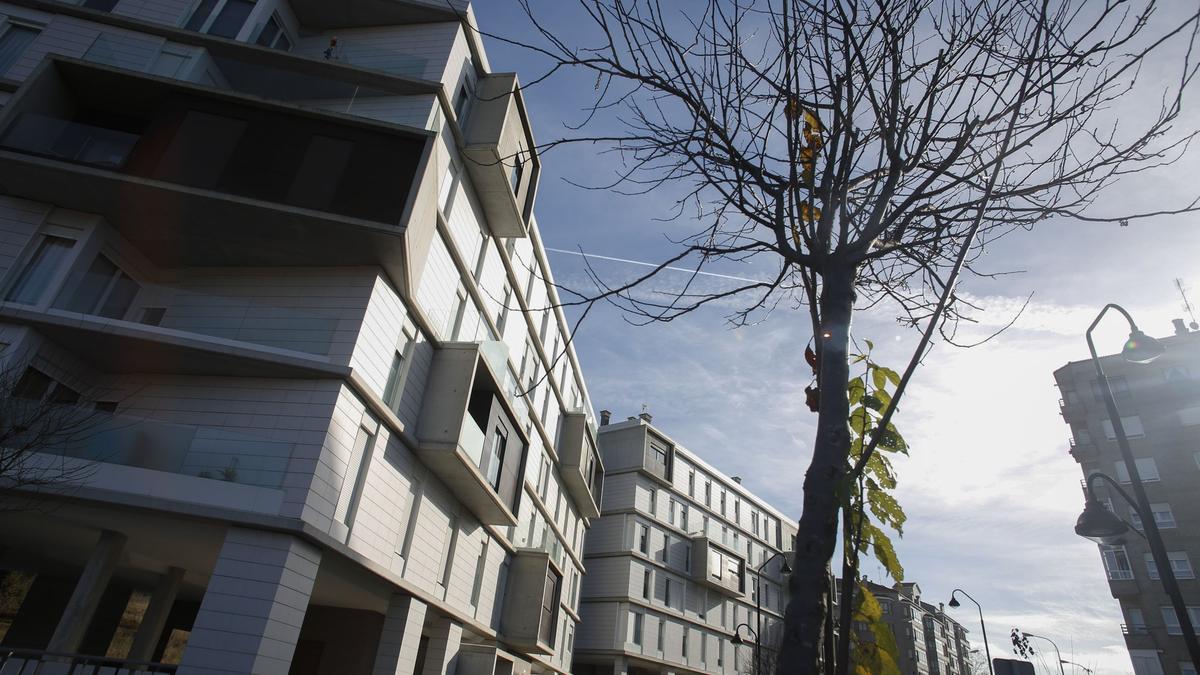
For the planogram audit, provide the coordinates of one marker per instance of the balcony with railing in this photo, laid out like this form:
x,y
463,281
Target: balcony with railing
x,y
195,176
1082,450
37,662
467,433
582,470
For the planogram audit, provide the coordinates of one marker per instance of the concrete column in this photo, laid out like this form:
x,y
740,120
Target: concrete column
x,y
88,590
444,640
400,637
249,620
155,618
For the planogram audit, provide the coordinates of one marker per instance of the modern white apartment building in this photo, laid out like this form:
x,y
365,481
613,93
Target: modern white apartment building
x,y
281,255
681,560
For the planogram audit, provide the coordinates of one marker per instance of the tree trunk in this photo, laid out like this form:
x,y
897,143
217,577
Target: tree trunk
x,y
804,619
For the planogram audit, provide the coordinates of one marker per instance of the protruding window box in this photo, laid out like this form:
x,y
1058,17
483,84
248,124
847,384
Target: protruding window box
x,y
658,457
718,567
477,659
499,153
193,176
531,605
582,470
467,433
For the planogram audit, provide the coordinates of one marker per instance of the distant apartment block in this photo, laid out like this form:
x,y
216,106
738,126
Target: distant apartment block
x,y
681,559
1159,404
284,253
928,641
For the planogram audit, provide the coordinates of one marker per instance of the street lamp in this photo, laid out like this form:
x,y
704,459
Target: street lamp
x,y
1087,670
1139,348
737,636
1056,652
783,569
955,603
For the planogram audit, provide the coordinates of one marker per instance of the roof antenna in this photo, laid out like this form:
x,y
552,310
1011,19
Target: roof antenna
x,y
1187,305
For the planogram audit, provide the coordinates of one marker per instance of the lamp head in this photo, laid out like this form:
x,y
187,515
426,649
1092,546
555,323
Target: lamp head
x,y
785,568
1100,525
737,639
1141,348
954,601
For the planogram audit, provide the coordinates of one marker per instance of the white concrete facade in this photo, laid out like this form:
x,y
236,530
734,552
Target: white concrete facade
x,y
313,334
673,563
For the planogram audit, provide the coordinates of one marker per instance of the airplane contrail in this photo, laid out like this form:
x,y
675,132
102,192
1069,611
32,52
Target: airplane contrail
x,y
646,264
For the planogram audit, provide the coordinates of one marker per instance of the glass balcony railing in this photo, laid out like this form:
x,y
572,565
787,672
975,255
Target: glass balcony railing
x,y
471,441
71,141
206,452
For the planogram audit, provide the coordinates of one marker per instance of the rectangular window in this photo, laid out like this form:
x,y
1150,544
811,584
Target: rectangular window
x,y
708,493
40,271
1181,566
480,566
1172,620
13,42
449,544
643,539
273,35
447,189
1132,425
355,477
496,457
547,631
391,390
662,639
515,177
33,385
409,519
662,554
1116,562
1163,516
1147,470
674,506
223,18
691,483
647,582
461,99
105,289
667,593
722,502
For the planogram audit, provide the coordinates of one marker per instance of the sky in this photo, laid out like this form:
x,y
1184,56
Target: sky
x,y
990,491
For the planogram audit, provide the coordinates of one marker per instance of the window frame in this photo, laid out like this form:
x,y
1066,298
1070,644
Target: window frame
x,y
282,33
214,13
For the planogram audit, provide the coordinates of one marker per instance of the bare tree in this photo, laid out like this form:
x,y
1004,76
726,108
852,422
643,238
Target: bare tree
x,y
866,153
43,423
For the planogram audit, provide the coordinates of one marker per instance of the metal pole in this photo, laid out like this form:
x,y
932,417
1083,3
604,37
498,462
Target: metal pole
x,y
1056,652
1153,536
983,626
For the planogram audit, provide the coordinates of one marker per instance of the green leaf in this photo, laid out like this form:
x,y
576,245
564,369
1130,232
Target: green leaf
x,y
870,345
884,551
891,375
871,401
855,391
878,377
886,509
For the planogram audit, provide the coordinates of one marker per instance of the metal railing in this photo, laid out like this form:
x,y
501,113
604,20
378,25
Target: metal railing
x,y
38,662
1126,629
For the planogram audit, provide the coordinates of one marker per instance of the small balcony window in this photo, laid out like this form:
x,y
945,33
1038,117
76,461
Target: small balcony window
x,y
223,18
104,289
273,35
40,271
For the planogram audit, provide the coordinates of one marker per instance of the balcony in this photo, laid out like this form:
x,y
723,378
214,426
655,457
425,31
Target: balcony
x,y
1138,629
31,661
219,453
365,13
500,157
195,176
1082,450
467,433
718,567
531,604
118,346
582,470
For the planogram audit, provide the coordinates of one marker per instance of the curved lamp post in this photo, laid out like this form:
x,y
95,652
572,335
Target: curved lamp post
x,y
738,641
955,603
1056,652
1093,523
784,568
1087,670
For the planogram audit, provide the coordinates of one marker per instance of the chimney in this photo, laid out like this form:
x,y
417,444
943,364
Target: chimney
x,y
737,479
605,417
645,417
1180,327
